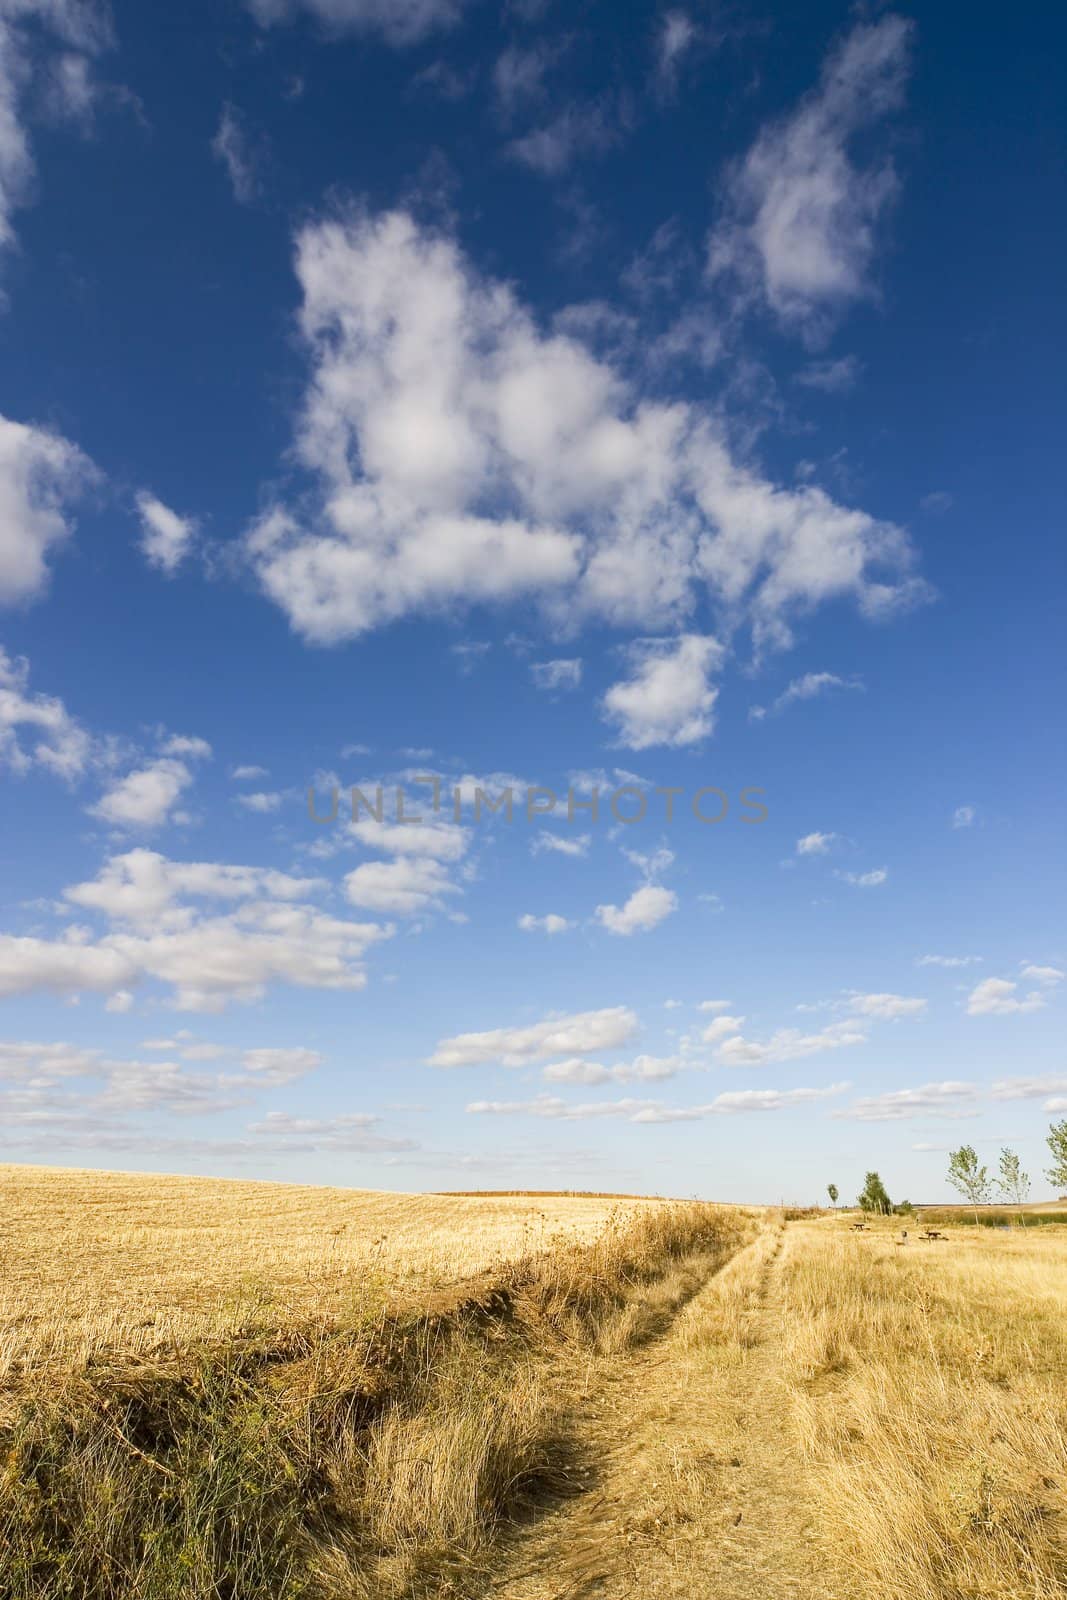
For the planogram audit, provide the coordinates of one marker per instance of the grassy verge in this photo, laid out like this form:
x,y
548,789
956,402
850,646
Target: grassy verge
x,y
931,1392
376,1456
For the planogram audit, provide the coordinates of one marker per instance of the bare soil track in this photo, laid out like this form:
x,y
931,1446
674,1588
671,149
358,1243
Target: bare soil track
x,y
696,1483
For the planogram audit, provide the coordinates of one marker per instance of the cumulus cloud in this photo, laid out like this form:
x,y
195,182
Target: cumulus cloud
x,y
949,1099
400,22
815,844
886,1007
166,538
800,224
642,1069
562,844
873,879
1000,997
209,932
461,455
667,700
1048,977
788,1044
646,908
963,816
144,799
721,1029
947,961
581,1033
403,887
41,475
37,730
551,923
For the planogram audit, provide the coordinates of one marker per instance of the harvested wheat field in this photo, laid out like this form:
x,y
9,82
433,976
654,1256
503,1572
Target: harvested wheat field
x,y
135,1261
670,1400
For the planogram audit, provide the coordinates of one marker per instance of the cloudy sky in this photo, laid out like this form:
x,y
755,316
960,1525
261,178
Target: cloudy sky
x,y
650,420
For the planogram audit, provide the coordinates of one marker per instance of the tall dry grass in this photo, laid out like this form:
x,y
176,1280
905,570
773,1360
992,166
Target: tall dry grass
x,y
930,1383
373,1454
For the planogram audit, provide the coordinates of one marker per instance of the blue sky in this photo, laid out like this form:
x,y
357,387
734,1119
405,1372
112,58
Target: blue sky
x,y
530,399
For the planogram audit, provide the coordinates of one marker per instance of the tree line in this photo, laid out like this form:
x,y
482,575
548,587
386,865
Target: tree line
x,y
972,1180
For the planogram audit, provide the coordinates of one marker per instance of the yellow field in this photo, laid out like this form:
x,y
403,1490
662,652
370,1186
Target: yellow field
x,y
635,1397
137,1261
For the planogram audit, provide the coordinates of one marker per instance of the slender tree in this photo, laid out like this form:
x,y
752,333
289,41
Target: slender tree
x,y
1057,1143
875,1197
968,1178
831,1189
1014,1183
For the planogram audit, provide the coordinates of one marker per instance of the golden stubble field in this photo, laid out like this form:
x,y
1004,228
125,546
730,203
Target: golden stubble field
x,y
92,1260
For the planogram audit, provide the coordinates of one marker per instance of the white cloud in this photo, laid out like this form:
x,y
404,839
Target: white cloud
x,y
721,1029
1000,997
403,887
1048,977
36,730
1030,1089
248,774
886,1007
206,959
642,1069
145,798
560,843
788,1044
948,961
715,1006
561,674
262,801
646,908
235,148
464,456
276,1066
352,1131
667,700
582,1033
815,844
866,880
400,22
75,30
445,841
678,33
800,225
930,1100
166,538
652,1111
963,816
809,687
41,473
552,923
144,887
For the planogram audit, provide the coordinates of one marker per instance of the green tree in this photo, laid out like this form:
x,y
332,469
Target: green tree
x,y
875,1197
1014,1183
968,1178
831,1189
1057,1143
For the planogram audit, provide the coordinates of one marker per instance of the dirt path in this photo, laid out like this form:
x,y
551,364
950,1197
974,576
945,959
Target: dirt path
x,y
699,1483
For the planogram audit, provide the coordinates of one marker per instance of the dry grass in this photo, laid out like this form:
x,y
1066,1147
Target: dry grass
x,y
367,1447
930,1383
91,1261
